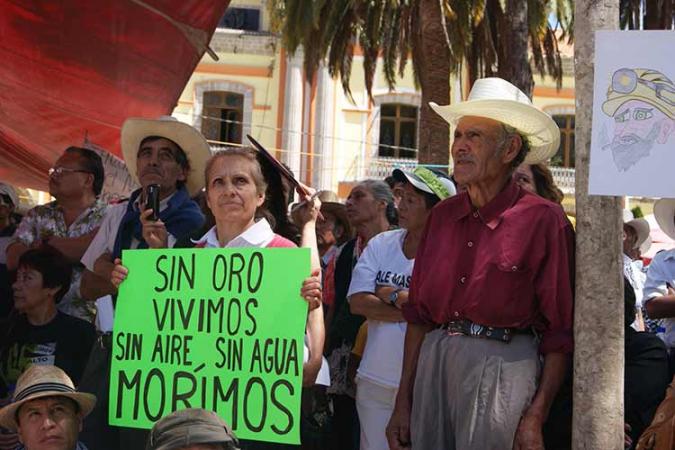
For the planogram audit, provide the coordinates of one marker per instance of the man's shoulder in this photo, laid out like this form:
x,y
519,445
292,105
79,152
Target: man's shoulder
x,y
663,258
536,207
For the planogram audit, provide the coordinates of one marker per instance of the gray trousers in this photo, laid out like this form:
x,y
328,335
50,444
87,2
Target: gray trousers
x,y
470,393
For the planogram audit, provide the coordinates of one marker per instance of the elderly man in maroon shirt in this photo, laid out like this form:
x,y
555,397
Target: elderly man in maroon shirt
x,y
491,290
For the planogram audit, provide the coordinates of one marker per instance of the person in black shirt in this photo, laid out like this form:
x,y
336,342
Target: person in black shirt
x,y
647,373
39,334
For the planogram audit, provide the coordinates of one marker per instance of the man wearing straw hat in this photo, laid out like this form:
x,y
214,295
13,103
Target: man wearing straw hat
x,y
491,289
659,289
636,241
47,411
172,155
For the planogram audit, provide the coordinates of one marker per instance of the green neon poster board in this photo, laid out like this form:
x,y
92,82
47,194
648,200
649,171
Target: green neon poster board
x,y
220,329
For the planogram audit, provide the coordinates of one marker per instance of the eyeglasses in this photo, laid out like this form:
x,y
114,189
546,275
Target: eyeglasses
x,y
58,171
624,81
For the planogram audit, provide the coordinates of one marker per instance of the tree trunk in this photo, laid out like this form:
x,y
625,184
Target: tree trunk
x,y
514,62
599,305
434,73
658,14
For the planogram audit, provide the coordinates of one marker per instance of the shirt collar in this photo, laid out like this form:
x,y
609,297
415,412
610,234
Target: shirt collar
x,y
258,235
491,213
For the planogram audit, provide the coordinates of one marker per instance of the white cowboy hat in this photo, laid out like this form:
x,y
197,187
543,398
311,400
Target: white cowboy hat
x,y
186,137
497,99
641,227
39,381
664,212
6,189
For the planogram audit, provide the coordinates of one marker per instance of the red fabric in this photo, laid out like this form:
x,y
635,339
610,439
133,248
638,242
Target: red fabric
x,y
77,68
509,264
329,282
280,242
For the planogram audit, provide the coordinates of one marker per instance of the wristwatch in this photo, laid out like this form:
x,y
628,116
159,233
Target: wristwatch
x,y
393,297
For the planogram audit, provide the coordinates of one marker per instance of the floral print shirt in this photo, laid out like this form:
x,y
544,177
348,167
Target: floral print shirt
x,y
45,221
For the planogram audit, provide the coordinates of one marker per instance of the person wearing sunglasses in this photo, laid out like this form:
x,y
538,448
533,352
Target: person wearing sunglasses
x,y
642,103
68,223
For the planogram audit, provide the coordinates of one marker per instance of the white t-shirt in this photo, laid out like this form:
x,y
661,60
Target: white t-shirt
x,y
383,263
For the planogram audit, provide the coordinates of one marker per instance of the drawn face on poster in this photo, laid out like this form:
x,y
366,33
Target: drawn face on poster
x,y
633,131
642,103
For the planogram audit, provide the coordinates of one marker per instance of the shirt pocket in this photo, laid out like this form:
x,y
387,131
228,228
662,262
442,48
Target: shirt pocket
x,y
509,292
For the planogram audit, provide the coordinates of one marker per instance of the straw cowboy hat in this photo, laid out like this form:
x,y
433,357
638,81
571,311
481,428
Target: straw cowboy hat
x,y
641,227
664,212
330,203
40,381
8,190
186,137
497,99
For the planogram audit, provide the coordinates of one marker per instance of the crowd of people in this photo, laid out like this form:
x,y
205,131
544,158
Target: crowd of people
x,y
440,306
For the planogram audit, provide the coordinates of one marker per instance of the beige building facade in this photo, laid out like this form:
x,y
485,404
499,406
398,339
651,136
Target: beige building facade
x,y
326,138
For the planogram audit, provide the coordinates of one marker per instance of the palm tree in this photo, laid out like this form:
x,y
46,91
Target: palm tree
x,y
656,15
437,35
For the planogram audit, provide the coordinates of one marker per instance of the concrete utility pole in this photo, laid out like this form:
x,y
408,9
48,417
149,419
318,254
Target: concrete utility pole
x,y
598,328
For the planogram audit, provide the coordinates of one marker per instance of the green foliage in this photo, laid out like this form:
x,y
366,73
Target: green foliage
x,y
637,212
328,30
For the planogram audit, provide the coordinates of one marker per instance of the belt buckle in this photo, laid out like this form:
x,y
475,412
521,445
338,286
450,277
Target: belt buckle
x,y
455,328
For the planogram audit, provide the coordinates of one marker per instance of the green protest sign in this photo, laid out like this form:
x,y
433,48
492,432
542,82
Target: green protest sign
x,y
220,329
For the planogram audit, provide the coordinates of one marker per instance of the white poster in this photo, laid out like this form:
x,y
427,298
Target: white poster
x,y
633,135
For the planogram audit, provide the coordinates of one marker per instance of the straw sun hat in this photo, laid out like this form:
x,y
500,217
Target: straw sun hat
x,y
40,381
186,137
664,212
497,99
641,227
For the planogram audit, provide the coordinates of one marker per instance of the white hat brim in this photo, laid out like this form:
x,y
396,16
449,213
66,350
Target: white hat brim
x,y
541,131
85,401
641,227
664,212
186,137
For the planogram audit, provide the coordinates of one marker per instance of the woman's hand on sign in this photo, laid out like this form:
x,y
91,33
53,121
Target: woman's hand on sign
x,y
310,370
154,231
119,273
311,290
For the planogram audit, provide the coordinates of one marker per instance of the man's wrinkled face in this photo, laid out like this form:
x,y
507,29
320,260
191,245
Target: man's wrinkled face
x,y
50,423
157,163
477,150
637,127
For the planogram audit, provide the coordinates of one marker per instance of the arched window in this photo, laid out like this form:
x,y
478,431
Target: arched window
x,y
564,157
223,114
398,131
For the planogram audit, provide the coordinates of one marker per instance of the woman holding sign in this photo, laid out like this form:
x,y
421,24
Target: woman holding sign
x,y
235,193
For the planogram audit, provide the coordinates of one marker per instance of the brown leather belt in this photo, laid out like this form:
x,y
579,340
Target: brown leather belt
x,y
468,328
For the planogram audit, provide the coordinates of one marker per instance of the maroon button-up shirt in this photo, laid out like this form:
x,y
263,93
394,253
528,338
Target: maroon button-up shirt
x,y
507,264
